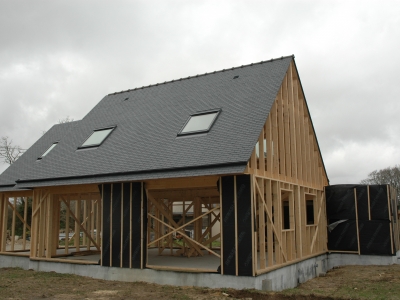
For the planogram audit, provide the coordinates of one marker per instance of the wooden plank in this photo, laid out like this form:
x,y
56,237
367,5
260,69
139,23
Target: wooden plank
x,y
25,223
184,183
4,224
358,231
270,237
18,194
270,142
286,124
261,150
390,217
14,216
254,241
275,139
67,203
292,125
179,269
281,137
74,189
261,220
49,236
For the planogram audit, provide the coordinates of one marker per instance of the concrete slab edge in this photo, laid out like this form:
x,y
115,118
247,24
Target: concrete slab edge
x,y
277,280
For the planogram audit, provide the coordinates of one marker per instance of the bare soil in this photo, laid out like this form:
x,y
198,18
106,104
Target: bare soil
x,y
350,282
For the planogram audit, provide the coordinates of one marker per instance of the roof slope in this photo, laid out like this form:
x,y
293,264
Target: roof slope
x,y
145,144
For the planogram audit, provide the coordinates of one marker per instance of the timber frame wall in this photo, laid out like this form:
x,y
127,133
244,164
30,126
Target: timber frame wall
x,y
288,179
51,239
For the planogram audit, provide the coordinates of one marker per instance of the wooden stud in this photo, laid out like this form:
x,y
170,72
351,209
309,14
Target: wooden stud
x,y
358,232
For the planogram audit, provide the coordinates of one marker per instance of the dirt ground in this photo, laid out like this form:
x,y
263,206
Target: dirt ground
x,y
350,282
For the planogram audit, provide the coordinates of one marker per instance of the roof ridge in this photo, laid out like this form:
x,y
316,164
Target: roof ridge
x,y
198,75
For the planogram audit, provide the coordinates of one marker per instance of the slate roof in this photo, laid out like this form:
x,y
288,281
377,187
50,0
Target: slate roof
x,y
145,145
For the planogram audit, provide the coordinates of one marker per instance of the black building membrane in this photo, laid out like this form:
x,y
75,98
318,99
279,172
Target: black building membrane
x,y
105,240
126,223
243,192
116,225
136,223
373,219
123,215
228,225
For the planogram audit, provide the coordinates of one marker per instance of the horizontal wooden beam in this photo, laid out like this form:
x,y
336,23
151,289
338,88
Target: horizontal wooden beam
x,y
182,183
72,189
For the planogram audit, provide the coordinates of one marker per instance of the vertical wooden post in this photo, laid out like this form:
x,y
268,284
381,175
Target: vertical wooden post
x,y
270,234
14,205
261,220
390,217
67,203
26,220
49,236
4,220
77,235
42,224
358,232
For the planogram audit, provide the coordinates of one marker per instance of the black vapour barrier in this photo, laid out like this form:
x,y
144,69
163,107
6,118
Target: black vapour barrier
x,y
374,235
340,204
105,240
362,202
124,192
379,202
228,225
343,237
126,224
116,225
245,258
136,223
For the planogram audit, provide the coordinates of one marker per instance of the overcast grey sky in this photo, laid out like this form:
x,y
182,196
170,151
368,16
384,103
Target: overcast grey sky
x,y
60,58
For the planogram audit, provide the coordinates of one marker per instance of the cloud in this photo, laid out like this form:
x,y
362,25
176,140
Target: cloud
x,y
60,58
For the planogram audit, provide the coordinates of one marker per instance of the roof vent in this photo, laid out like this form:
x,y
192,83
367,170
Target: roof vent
x,y
126,99
237,76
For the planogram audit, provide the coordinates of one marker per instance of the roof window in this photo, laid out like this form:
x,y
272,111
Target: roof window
x,y
48,150
200,122
97,137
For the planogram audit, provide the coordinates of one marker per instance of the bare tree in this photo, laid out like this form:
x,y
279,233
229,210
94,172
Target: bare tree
x,y
389,175
8,152
67,119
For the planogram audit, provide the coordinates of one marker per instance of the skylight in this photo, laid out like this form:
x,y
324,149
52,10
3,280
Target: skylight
x,y
97,137
200,122
48,150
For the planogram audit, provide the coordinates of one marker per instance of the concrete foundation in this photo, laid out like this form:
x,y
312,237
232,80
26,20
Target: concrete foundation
x,y
277,280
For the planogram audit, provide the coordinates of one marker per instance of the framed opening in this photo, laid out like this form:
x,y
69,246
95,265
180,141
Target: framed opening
x,y
97,137
200,122
310,209
287,210
48,150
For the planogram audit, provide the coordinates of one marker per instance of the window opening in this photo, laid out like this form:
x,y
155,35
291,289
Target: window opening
x,y
97,137
310,209
48,150
287,210
200,122
258,149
